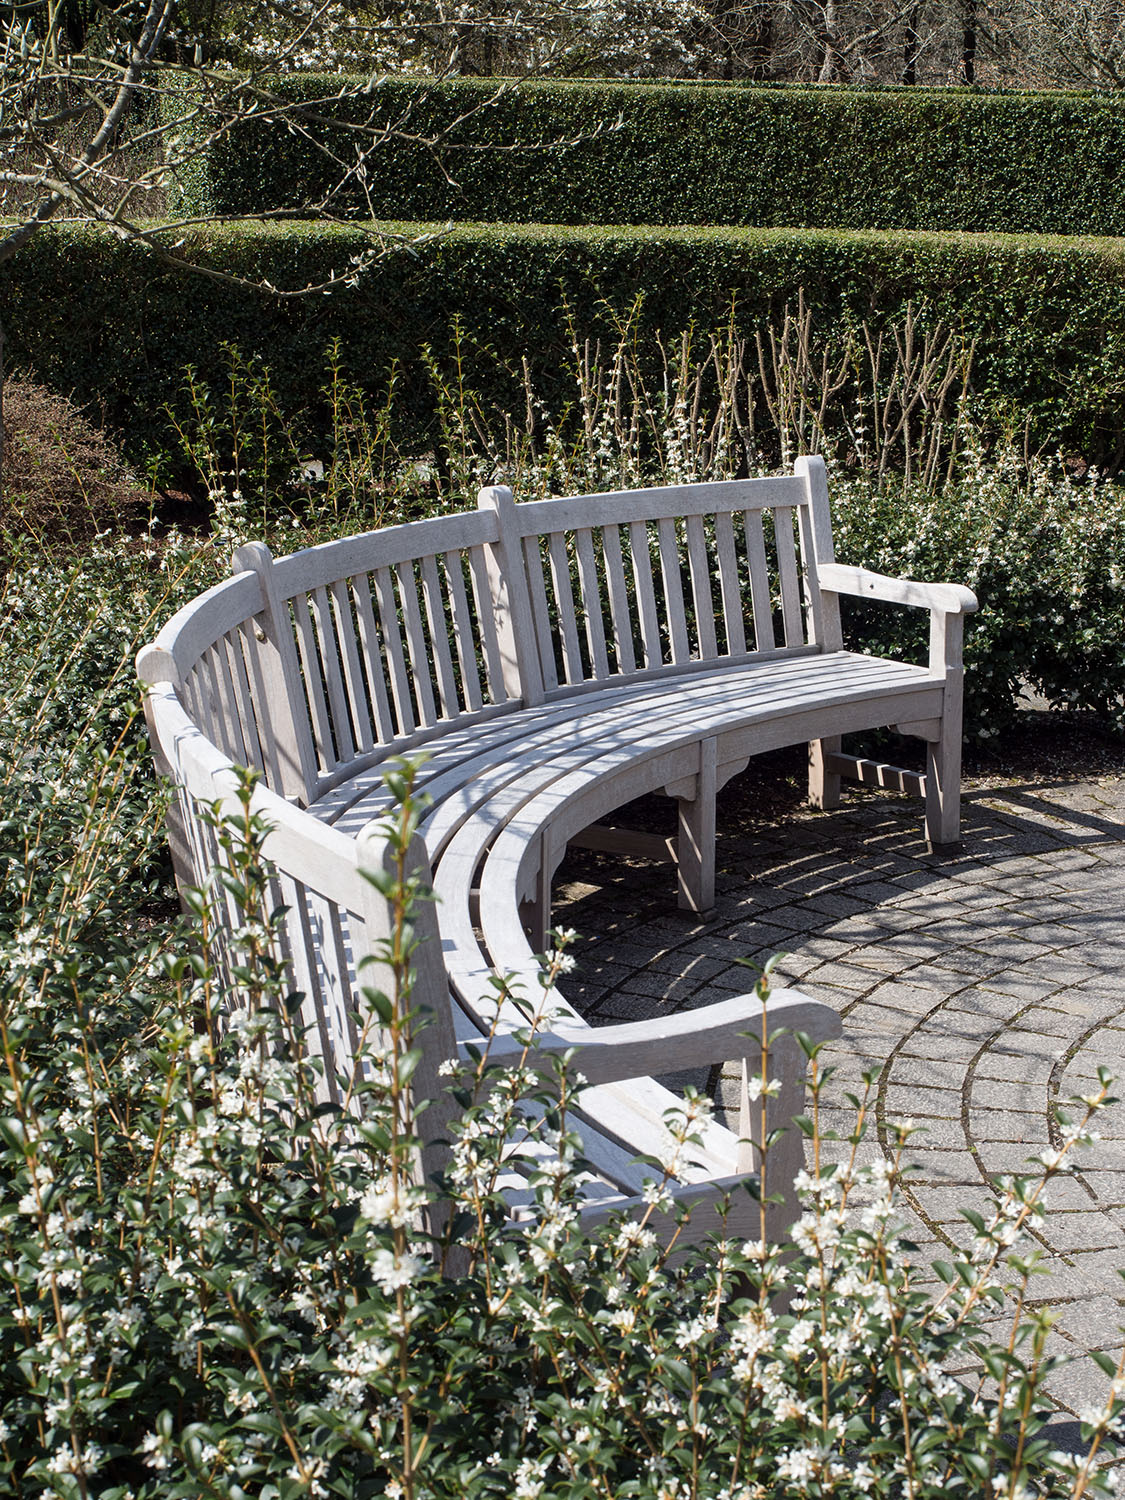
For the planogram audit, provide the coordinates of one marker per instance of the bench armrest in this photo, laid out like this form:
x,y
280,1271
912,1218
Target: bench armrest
x,y
948,598
721,1032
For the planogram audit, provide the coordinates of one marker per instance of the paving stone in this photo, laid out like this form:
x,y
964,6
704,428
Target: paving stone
x,y
993,980
901,1100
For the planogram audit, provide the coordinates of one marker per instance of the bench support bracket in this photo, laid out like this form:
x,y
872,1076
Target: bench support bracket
x,y
877,773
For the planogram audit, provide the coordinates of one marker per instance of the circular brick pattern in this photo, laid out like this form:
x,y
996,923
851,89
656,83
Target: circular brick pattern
x,y
987,987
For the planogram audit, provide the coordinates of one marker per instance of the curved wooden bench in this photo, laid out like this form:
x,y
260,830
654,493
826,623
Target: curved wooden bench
x,y
555,660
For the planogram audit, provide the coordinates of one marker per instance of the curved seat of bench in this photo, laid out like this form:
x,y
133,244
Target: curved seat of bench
x,y
508,795
465,765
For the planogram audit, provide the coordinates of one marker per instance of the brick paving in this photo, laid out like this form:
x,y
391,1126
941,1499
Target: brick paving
x,y
987,986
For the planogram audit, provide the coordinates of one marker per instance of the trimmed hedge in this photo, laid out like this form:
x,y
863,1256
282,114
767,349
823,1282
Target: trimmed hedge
x,y
112,325
702,154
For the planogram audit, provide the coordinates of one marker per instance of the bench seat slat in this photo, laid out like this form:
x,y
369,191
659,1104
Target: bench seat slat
x,y
576,725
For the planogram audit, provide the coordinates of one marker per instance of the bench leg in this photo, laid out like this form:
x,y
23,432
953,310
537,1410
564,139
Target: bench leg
x,y
696,839
943,784
943,754
535,912
824,785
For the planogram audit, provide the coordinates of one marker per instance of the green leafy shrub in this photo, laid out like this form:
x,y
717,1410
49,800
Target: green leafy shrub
x,y
593,152
1045,553
106,322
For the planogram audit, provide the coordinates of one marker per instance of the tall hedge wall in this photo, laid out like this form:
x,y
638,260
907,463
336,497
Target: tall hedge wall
x,y
108,323
705,154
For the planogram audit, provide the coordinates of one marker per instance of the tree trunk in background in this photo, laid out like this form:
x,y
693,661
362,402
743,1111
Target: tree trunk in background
x,y
830,66
912,43
761,48
969,41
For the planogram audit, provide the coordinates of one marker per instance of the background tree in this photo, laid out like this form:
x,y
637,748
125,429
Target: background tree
x,y
102,102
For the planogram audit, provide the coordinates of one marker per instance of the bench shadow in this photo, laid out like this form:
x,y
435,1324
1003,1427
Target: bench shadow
x,y
786,873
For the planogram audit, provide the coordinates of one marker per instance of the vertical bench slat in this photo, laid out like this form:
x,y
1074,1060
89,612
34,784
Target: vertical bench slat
x,y
314,684
334,983
210,699
700,568
490,640
416,643
277,666
787,574
646,594
759,580
618,599
268,736
333,678
728,582
373,659
392,638
220,694
564,603
193,692
346,631
540,610
673,589
439,637
592,601
816,543
242,651
463,630
316,1037
243,701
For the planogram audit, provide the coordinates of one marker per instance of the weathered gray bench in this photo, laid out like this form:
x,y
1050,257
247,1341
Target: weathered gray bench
x,y
556,660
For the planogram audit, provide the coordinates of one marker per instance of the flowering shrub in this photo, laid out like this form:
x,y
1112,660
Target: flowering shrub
x,y
217,1287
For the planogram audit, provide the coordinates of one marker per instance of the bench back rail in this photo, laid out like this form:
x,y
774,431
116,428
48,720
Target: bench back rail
x,y
635,582
308,667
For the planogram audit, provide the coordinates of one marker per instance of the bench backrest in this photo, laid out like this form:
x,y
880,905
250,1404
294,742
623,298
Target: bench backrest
x,y
640,581
307,666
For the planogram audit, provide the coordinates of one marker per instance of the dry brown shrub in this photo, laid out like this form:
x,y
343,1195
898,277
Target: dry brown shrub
x,y
62,479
